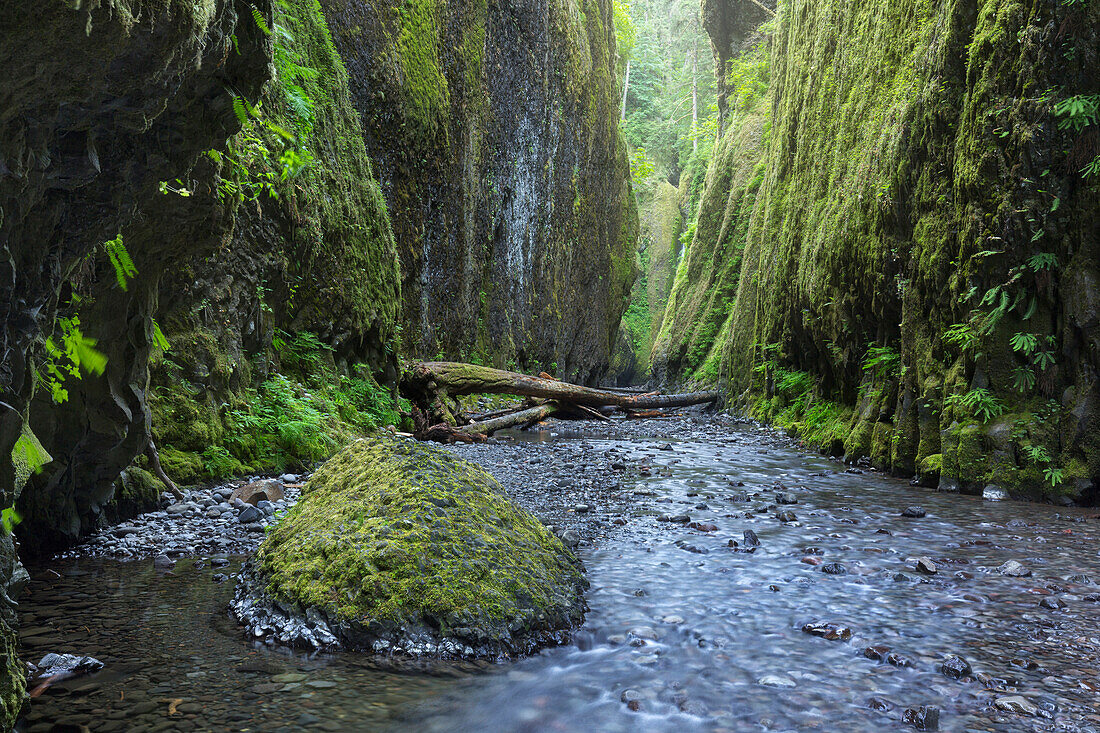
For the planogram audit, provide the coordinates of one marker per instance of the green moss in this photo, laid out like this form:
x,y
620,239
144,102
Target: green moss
x,y
932,465
391,532
427,101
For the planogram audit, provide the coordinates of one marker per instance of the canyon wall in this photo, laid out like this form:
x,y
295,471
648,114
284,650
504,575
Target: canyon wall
x,y
896,251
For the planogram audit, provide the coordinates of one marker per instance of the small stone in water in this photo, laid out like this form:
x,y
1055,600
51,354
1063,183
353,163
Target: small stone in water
x,y
786,516
751,540
925,565
1014,569
1054,604
1017,704
992,492
834,568
913,512
923,718
773,680
955,667
163,562
703,526
832,632
783,498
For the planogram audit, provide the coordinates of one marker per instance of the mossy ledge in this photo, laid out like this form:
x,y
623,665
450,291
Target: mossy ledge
x,y
399,548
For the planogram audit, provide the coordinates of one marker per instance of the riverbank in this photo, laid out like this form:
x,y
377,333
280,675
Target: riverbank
x,y
693,626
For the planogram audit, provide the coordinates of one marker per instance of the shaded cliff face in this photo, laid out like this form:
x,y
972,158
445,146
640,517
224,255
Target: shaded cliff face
x,y
87,142
915,242
99,105
494,130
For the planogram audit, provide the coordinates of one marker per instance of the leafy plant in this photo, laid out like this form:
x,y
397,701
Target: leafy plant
x,y
1078,112
1037,453
961,335
73,354
9,518
882,361
980,402
1025,343
1042,261
1023,379
1054,476
120,259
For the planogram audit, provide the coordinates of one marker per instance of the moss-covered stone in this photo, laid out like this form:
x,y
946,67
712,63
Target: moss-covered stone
x,y
402,547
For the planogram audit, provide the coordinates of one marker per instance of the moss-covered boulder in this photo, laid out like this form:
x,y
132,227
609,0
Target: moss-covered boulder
x,y
398,547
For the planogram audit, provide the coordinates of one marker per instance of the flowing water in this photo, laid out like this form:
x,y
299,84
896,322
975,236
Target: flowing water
x,y
699,636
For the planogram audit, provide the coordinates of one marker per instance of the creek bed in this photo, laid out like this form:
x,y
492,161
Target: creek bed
x,y
684,632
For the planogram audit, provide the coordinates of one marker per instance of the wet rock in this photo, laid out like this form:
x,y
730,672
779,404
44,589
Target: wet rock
x,y
784,498
703,526
926,565
877,653
834,568
582,508
786,516
1052,603
992,492
1013,569
923,717
219,577
253,493
570,539
832,632
955,667
163,562
1016,704
751,540
913,512
880,704
249,515
632,699
64,666
774,680
691,548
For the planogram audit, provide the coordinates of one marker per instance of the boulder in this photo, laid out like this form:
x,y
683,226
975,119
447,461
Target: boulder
x,y
398,547
267,489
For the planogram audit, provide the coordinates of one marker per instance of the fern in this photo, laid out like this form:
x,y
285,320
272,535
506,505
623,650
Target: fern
x,y
120,260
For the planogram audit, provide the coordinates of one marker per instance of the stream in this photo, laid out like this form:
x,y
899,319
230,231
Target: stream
x,y
684,631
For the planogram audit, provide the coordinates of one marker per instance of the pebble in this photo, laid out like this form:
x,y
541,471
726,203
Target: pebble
x,y
1014,569
955,667
913,512
1017,704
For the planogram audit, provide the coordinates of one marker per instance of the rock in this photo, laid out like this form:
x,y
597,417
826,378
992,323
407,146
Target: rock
x,y
632,699
219,577
955,667
923,718
249,515
1016,704
268,489
424,544
877,653
219,561
913,512
180,508
834,568
65,666
992,492
163,562
1053,603
570,539
786,516
926,565
1014,569
832,632
703,526
666,446
782,498
773,680
751,540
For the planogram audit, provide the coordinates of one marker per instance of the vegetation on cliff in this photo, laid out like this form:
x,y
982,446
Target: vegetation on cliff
x,y
903,241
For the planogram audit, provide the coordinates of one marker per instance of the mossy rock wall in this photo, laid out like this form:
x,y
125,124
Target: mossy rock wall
x,y
914,167
319,258
401,547
494,129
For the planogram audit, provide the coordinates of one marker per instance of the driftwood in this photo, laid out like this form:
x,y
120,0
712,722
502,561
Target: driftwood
x,y
433,387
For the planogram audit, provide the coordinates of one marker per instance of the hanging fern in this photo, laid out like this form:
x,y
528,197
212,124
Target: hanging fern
x,y
120,260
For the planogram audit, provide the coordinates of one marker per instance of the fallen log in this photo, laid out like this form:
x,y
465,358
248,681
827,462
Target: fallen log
x,y
430,383
522,417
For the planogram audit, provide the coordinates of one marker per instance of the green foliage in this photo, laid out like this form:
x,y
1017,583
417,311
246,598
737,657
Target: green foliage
x,y
9,517
120,260
1078,112
980,402
1042,261
1054,476
73,354
1024,343
1023,379
625,32
748,78
641,167
882,361
961,335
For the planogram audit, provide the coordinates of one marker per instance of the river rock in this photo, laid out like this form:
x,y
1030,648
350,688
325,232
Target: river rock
x,y
1014,569
268,489
1017,704
832,632
926,565
913,512
923,717
955,667
398,547
249,515
992,492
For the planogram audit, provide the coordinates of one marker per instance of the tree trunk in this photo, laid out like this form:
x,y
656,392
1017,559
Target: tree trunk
x,y
429,384
522,417
626,84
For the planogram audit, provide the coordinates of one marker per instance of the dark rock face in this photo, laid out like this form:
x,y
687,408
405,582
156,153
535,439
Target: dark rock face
x,y
101,105
494,131
397,547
